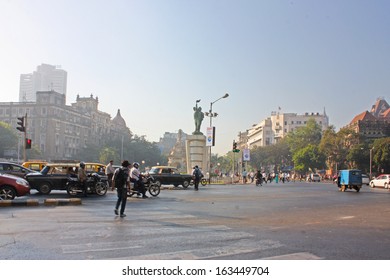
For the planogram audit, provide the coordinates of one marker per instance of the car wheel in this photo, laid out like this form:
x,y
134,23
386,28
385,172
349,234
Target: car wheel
x,y
101,189
372,185
185,184
44,188
386,186
7,193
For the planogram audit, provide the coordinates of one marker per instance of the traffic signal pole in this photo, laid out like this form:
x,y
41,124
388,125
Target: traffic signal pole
x,y
25,136
22,122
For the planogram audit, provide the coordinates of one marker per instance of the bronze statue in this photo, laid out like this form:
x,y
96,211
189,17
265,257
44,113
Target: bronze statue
x,y
198,117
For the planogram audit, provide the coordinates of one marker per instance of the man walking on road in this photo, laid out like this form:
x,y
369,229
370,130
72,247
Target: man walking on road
x,y
110,173
121,181
196,176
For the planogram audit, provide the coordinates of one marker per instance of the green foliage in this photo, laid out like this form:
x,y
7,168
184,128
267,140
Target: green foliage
x,y
8,138
309,159
381,155
303,136
108,153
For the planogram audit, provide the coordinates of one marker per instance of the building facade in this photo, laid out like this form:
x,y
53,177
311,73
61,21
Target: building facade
x,y
373,124
45,78
61,131
278,125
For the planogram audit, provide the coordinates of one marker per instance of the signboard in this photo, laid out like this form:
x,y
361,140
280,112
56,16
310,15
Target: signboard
x,y
246,155
210,136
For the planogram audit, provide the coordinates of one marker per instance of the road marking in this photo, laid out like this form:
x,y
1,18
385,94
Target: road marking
x,y
295,256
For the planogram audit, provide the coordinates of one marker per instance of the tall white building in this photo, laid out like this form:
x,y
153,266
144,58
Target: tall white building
x,y
274,128
45,78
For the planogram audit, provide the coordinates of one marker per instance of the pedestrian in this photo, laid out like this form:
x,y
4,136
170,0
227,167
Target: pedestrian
x,y
244,175
110,173
82,177
121,181
196,176
251,176
259,178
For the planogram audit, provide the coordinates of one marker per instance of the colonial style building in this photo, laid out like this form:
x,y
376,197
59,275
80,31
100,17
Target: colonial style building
x,y
374,124
61,131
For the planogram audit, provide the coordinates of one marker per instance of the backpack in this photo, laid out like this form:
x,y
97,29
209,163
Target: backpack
x,y
197,174
120,178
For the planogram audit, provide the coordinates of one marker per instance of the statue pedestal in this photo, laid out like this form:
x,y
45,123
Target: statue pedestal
x,y
197,153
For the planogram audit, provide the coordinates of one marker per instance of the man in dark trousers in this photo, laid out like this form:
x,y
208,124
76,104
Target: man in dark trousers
x,y
196,176
121,181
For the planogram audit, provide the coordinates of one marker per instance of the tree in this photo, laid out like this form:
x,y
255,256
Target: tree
x,y
8,138
381,155
306,135
309,159
108,153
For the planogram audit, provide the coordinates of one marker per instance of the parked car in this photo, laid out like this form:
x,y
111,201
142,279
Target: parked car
x,y
12,186
381,181
54,176
365,180
167,175
14,169
314,177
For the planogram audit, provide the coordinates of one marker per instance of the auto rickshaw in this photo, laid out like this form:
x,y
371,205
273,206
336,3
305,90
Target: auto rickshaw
x,y
349,179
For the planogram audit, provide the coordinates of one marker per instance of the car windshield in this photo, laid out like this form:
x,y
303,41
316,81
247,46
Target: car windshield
x,y
45,170
154,170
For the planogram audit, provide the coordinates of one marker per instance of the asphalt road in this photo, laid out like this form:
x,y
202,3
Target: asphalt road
x,y
234,222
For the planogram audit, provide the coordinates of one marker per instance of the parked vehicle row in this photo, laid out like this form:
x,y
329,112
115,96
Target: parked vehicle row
x,y
55,176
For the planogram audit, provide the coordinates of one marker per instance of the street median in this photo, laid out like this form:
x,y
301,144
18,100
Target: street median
x,y
46,202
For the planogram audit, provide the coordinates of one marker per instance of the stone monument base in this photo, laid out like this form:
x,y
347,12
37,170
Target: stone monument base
x,y
197,153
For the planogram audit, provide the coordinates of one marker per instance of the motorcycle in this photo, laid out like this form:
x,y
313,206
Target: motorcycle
x,y
150,186
96,184
202,181
259,181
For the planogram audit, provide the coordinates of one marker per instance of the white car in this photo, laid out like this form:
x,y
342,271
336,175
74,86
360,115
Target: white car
x,y
381,181
365,179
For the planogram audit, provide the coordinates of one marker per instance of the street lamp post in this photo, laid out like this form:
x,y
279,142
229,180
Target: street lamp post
x,y
371,162
212,115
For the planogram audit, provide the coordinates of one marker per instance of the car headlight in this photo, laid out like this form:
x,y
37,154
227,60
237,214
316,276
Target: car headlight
x,y
22,182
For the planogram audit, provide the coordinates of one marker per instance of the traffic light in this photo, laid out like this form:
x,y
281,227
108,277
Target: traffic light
x,y
235,150
21,125
28,143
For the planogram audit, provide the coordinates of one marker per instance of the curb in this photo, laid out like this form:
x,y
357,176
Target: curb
x,y
35,202
61,202
27,202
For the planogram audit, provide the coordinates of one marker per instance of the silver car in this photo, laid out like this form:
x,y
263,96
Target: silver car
x,y
365,179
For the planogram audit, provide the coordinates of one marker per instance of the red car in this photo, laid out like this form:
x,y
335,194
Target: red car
x,y
12,186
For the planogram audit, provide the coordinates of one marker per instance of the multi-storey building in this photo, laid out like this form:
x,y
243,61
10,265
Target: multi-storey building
x,y
275,127
61,131
374,124
45,78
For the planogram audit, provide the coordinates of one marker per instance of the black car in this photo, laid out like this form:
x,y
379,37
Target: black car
x,y
14,169
51,177
54,176
167,175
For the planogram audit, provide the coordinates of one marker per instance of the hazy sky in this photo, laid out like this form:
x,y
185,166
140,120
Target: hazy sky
x,y
153,58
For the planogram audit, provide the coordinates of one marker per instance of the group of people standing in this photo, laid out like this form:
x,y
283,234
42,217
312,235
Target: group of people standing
x,y
120,178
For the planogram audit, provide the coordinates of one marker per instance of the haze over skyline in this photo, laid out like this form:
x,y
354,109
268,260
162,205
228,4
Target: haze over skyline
x,y
153,59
